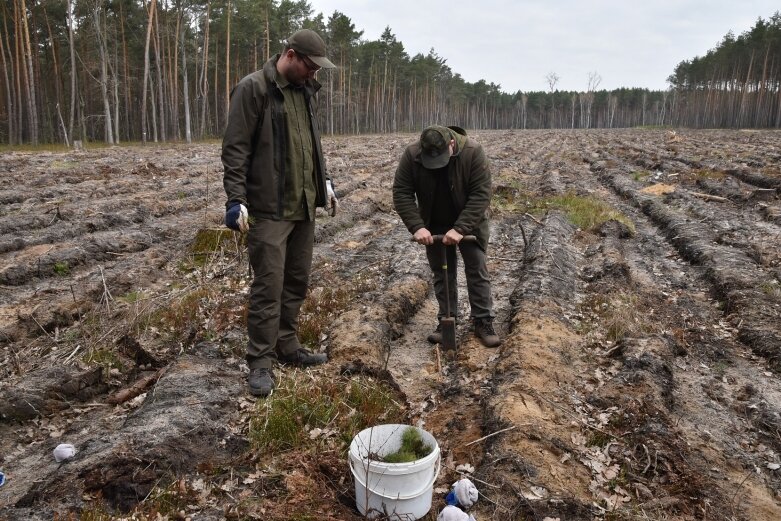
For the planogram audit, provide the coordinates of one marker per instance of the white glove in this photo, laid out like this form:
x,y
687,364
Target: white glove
x,y
466,492
333,203
243,219
452,513
64,451
236,218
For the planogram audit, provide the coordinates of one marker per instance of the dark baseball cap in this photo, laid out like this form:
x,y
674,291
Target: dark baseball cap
x,y
309,43
435,146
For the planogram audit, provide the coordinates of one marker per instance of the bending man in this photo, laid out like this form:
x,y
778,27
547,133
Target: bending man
x,y
443,186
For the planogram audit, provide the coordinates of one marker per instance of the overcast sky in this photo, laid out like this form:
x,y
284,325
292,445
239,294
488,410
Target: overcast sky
x,y
517,43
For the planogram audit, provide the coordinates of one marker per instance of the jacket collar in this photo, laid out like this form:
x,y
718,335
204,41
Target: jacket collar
x,y
460,142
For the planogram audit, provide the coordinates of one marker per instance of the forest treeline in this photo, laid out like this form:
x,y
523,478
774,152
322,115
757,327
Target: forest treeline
x,y
736,84
162,70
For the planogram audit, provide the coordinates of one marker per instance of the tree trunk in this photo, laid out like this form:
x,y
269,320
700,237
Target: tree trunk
x,y
114,66
228,60
217,125
154,110
185,89
268,37
744,97
573,99
21,81
162,120
57,72
72,47
125,74
108,132
175,64
146,71
331,103
204,80
31,103
9,82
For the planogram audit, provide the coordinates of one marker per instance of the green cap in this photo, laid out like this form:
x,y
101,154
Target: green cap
x,y
309,43
435,146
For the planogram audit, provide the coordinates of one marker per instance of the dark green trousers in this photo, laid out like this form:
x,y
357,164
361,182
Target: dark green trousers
x,y
478,284
280,253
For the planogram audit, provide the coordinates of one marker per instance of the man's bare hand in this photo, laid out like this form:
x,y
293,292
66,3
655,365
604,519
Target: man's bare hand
x,y
423,236
452,238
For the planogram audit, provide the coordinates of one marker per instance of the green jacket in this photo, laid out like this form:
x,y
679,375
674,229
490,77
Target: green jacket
x,y
470,187
254,145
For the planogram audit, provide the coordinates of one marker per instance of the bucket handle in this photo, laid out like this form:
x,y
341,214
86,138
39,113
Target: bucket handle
x,y
398,497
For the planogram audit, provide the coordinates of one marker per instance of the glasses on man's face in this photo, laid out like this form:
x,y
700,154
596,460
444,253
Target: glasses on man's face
x,y
312,66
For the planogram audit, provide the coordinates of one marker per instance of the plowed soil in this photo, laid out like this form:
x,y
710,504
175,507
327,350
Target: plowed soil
x,y
639,375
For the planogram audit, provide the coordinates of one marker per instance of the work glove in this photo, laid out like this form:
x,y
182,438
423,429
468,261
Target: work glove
x,y
451,513
236,217
463,494
333,203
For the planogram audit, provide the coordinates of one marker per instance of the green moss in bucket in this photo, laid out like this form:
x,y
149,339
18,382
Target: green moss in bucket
x,y
412,448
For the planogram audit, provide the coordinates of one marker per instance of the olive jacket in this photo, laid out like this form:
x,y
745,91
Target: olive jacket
x,y
254,144
469,178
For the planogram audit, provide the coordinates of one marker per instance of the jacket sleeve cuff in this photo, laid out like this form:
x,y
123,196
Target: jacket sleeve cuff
x,y
233,202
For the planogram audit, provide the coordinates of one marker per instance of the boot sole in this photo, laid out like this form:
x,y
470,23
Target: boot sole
x,y
489,344
260,392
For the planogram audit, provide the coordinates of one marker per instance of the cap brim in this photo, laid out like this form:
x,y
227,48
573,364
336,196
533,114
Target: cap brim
x,y
435,161
322,61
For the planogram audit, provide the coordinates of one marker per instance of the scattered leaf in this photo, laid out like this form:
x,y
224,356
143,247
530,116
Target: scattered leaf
x,y
465,467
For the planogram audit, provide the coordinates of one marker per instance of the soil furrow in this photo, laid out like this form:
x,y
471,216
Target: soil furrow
x,y
737,280
635,379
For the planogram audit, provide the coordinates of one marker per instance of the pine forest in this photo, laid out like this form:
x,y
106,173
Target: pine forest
x,y
162,70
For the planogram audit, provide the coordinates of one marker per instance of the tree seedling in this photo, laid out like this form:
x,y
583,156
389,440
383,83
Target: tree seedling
x,y
412,448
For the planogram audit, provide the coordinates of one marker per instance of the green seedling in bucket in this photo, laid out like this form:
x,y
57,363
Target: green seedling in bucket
x,y
412,448
394,490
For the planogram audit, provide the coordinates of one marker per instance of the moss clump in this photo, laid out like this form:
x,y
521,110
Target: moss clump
x,y
412,448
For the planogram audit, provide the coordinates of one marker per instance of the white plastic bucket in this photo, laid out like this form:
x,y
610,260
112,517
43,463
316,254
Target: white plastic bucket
x,y
402,491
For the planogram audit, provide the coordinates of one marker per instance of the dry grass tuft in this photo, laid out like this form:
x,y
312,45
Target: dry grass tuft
x,y
313,412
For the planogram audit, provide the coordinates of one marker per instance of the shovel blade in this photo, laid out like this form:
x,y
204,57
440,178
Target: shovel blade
x,y
448,333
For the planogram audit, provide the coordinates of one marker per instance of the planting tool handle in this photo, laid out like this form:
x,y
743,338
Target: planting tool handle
x,y
397,496
439,237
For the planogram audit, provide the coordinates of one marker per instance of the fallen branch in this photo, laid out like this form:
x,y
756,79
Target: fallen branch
x,y
106,293
530,216
471,477
709,197
134,390
495,433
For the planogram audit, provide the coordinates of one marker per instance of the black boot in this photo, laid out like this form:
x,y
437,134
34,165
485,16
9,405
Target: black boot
x,y
261,381
303,358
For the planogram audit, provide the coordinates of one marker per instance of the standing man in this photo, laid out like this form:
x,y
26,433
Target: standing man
x,y
274,178
443,186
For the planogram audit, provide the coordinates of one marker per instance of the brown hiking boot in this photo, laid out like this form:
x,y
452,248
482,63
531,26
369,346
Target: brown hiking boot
x,y
484,330
436,336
